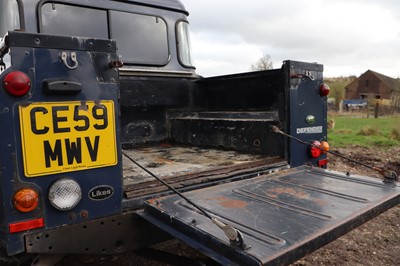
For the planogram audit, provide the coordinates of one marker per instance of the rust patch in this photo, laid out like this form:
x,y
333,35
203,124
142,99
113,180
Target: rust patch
x,y
152,201
154,165
274,196
320,202
163,161
166,145
145,150
275,192
230,203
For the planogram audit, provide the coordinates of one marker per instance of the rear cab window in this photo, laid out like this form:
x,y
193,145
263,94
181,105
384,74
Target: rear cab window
x,y
9,16
142,39
183,43
71,20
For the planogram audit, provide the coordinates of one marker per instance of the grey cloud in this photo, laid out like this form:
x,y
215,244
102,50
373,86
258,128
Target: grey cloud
x,y
326,31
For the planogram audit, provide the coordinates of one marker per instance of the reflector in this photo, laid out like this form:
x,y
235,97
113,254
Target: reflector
x,y
322,162
26,225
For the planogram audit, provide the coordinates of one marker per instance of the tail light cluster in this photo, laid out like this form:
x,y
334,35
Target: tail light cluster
x,y
318,148
64,194
17,83
26,200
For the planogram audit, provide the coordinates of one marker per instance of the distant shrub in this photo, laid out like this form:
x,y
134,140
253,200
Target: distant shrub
x,y
395,134
369,131
331,123
344,131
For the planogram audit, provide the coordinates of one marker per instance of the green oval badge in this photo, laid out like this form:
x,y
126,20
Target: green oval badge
x,y
310,119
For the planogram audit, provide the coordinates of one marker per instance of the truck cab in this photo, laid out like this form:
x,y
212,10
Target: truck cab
x,y
98,97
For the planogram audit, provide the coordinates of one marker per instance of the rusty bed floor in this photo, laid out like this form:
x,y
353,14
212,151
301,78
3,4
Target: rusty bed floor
x,y
182,166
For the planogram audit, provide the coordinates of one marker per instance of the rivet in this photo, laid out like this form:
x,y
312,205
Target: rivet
x,y
84,214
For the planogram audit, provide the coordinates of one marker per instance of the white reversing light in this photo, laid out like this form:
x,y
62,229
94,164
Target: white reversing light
x,y
65,194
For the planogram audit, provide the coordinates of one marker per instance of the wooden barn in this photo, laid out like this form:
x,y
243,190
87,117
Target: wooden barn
x,y
373,85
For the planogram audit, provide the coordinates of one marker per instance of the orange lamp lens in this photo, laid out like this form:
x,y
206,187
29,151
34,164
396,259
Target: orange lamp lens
x,y
324,146
26,200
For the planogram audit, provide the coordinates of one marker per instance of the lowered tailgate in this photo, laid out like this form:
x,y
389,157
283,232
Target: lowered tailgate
x,y
282,216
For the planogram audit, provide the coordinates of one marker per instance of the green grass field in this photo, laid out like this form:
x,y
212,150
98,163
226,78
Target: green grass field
x,y
383,132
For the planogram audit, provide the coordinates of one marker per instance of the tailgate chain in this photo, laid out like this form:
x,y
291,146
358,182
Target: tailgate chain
x,y
389,175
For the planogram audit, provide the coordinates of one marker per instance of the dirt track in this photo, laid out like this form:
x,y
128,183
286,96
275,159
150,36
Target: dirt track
x,y
377,242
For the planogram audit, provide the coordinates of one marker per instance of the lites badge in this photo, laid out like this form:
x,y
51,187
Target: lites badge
x,y
101,192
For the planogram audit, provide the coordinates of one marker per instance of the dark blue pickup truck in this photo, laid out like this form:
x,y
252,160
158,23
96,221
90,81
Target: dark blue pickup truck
x,y
110,142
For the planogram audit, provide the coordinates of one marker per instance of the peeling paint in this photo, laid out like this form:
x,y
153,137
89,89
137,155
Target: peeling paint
x,y
230,203
275,192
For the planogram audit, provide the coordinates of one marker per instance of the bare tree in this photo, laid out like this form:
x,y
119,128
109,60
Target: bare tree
x,y
264,63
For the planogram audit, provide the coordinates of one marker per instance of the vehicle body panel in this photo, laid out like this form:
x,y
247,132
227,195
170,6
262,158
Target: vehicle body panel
x,y
32,52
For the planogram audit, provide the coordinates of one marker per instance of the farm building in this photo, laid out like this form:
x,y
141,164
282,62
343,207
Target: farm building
x,y
372,85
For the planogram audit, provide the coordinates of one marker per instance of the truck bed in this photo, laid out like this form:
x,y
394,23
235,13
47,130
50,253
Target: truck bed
x,y
185,166
195,132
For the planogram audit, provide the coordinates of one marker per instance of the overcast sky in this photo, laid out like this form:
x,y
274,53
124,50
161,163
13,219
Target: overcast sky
x,y
347,36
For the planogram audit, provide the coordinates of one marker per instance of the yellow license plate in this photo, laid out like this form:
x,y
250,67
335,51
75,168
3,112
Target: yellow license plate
x,y
67,136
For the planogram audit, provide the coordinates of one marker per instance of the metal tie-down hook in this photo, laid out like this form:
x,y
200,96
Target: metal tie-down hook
x,y
64,58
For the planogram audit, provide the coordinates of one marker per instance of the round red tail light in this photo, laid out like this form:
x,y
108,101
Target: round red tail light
x,y
17,83
324,90
315,150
